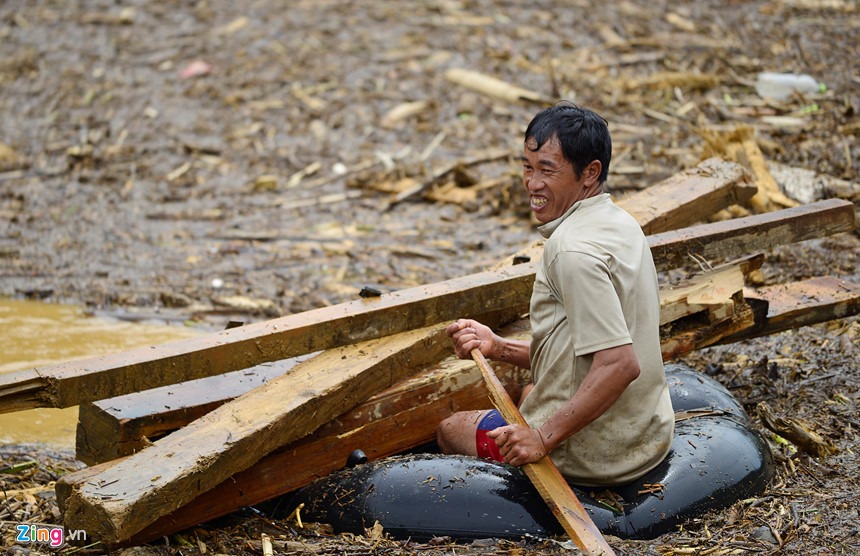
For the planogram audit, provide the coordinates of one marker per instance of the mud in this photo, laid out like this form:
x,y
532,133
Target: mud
x,y
138,181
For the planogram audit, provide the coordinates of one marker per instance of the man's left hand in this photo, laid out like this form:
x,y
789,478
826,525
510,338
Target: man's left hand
x,y
518,444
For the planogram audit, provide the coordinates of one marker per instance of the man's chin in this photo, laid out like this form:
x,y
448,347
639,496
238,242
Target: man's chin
x,y
541,216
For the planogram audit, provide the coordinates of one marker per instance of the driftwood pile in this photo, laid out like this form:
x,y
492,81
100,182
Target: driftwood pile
x,y
188,431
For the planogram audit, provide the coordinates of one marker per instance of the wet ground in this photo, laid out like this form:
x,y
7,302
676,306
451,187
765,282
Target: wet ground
x,y
212,161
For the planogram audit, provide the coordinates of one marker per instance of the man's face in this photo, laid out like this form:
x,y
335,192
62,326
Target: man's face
x,y
551,181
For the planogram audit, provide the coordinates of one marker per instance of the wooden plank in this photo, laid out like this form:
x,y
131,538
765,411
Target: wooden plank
x,y
545,476
125,498
71,383
707,291
797,304
690,196
401,417
681,337
116,427
760,232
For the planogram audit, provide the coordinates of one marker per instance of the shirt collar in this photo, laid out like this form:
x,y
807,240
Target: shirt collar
x,y
547,229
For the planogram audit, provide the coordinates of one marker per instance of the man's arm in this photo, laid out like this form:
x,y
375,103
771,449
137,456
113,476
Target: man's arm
x,y
612,370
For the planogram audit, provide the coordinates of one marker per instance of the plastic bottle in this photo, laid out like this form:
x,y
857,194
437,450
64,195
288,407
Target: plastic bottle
x,y
780,86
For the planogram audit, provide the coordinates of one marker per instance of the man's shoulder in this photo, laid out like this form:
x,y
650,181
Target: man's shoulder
x,y
603,223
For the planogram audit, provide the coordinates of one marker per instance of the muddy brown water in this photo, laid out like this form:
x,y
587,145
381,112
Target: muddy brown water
x,y
35,334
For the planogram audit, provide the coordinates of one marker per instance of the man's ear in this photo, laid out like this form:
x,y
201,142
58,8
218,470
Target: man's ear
x,y
592,173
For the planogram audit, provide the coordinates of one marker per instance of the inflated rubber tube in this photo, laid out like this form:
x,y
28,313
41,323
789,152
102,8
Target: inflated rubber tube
x,y
691,390
715,461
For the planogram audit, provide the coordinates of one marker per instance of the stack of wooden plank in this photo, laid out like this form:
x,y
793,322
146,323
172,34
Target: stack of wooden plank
x,y
185,432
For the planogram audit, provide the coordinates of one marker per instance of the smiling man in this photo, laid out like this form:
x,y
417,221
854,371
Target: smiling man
x,y
599,402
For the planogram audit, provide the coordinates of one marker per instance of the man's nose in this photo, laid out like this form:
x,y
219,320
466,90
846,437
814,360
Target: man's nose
x,y
533,183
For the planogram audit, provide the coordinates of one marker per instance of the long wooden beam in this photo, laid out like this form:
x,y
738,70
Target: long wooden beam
x,y
115,427
796,304
732,238
71,383
125,498
397,419
690,196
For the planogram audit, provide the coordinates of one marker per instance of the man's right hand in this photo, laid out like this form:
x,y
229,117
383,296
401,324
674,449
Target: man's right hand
x,y
469,334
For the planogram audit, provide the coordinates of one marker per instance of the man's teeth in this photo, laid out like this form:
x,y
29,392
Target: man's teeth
x,y
538,202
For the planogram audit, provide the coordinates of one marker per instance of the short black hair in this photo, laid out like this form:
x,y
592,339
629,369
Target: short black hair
x,y
582,134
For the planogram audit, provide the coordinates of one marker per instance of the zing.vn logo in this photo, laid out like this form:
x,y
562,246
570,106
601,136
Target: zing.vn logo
x,y
54,536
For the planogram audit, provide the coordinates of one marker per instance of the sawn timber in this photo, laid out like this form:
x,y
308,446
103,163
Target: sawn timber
x,y
406,415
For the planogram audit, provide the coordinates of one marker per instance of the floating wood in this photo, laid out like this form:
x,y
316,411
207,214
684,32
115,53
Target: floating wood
x,y
71,383
443,173
401,417
491,86
690,196
545,476
740,146
404,111
685,336
116,427
760,232
796,304
796,432
123,499
707,291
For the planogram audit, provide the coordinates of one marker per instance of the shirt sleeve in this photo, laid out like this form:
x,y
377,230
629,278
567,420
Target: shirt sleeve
x,y
591,303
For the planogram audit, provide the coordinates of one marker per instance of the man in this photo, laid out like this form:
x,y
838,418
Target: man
x,y
599,402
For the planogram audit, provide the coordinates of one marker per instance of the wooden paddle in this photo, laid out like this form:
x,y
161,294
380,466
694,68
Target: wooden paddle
x,y
546,477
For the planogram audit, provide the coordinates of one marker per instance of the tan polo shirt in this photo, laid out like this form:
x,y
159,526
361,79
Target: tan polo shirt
x,y
596,288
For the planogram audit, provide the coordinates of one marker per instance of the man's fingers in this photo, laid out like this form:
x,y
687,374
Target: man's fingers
x,y
455,327
498,431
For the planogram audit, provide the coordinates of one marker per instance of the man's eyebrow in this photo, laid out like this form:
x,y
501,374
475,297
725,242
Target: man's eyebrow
x,y
545,162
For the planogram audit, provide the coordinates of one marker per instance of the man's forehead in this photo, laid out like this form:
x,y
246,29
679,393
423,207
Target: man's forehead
x,y
551,142
551,149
